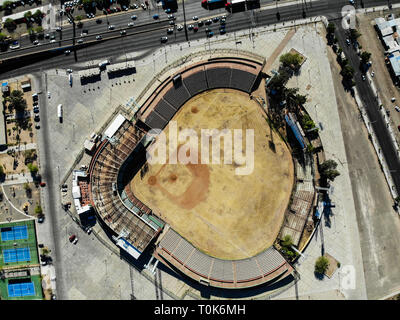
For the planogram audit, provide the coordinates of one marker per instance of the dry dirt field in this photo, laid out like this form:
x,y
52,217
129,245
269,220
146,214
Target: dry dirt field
x,y
225,215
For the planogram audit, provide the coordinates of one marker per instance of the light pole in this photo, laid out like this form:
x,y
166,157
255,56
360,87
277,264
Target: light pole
x,y
184,20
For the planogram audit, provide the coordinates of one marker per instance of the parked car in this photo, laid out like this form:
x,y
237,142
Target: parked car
x,y
41,219
164,39
179,27
36,109
397,108
73,239
190,27
200,23
170,31
14,45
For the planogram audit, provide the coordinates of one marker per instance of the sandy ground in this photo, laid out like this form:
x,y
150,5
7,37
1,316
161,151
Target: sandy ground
x,y
225,215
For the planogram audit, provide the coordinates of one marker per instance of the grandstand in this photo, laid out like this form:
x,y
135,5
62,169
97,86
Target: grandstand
x,y
303,197
178,252
174,91
121,155
124,217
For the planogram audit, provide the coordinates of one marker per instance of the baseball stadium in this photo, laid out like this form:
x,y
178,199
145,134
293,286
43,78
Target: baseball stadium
x,y
202,219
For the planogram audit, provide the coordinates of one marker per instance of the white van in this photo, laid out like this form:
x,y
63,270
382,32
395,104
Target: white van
x,y
59,111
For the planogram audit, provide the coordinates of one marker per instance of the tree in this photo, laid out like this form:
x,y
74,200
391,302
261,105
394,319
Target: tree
x,y
10,24
17,101
33,168
38,29
38,210
28,15
2,37
321,265
37,14
328,170
287,241
330,28
347,72
78,18
87,3
291,60
307,123
354,34
365,56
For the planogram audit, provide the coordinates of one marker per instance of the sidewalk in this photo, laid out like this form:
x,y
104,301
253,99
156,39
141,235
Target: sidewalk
x,y
17,178
28,146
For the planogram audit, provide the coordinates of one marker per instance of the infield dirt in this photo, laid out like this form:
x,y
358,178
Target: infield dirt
x,y
225,215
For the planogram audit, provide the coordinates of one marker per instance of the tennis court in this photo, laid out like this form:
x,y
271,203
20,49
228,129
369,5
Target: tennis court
x,y
14,233
16,255
22,289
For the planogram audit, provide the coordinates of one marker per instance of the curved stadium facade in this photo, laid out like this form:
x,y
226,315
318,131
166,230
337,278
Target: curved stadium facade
x,y
123,153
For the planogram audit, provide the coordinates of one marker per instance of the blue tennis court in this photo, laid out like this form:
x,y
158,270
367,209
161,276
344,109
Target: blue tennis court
x,y
14,233
16,255
21,289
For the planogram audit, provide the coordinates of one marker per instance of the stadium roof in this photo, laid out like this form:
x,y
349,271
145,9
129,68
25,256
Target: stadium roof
x,y
114,126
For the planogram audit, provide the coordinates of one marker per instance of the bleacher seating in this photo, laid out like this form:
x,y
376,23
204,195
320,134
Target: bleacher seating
x,y
177,96
164,109
242,80
196,82
219,77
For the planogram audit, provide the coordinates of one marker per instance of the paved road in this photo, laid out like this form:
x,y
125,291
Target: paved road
x,y
151,39
48,231
372,107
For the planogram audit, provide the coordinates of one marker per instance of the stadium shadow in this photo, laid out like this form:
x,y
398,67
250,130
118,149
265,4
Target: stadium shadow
x,y
207,292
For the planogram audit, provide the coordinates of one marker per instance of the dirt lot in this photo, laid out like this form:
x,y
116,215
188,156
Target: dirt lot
x,y
370,42
226,215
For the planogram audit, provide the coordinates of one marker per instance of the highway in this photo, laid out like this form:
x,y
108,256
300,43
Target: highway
x,y
148,36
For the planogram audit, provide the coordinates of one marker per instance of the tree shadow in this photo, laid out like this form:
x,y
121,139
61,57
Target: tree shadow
x,y
327,213
319,276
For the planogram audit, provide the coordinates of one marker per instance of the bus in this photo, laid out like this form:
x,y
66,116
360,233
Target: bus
x,y
213,4
236,5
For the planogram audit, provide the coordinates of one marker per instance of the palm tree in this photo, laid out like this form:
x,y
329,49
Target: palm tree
x,y
17,101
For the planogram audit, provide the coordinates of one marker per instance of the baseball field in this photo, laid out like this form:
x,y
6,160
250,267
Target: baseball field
x,y
222,213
